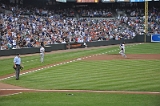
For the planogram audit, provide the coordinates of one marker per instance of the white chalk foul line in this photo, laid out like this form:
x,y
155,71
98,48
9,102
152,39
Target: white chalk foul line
x,y
108,51
29,61
13,94
23,73
78,59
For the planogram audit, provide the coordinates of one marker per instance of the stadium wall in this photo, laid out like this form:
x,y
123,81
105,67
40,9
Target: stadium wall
x,y
141,38
53,47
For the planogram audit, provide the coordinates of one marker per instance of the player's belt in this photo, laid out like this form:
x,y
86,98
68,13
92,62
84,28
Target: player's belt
x,y
17,64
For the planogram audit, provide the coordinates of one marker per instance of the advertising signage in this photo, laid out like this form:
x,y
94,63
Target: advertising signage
x,y
155,38
87,1
123,0
108,1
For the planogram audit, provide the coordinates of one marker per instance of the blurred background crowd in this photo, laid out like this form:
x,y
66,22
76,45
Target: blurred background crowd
x,y
28,26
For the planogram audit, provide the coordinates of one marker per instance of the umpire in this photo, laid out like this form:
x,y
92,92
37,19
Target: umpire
x,y
17,65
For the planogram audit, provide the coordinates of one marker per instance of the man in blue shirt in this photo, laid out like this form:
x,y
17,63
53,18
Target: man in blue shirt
x,y
17,65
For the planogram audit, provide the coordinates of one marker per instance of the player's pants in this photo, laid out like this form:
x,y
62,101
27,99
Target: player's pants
x,y
122,52
42,57
17,71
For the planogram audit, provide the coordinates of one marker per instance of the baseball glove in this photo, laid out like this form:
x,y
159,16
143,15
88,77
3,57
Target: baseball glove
x,y
14,67
121,48
21,67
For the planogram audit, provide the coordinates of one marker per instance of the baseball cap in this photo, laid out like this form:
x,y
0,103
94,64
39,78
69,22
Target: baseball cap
x,y
17,54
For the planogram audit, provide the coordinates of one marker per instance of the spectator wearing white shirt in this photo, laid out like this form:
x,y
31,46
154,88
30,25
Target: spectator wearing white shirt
x,y
14,43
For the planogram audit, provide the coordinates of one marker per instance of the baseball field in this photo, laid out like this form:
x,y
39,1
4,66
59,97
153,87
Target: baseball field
x,y
96,76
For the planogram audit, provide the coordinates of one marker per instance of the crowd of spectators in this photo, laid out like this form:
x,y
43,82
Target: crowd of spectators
x,y
138,15
28,27
93,12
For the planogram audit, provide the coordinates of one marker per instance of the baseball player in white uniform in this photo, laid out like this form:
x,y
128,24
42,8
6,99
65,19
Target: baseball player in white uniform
x,y
42,51
122,50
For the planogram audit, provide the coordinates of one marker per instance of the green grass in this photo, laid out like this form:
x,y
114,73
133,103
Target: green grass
x,y
96,75
79,99
135,75
34,61
147,48
30,62
120,75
